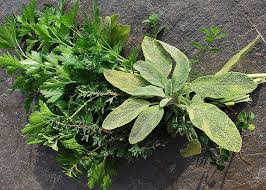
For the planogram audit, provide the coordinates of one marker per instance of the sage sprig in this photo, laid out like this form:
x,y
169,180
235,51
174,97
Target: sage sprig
x,y
168,91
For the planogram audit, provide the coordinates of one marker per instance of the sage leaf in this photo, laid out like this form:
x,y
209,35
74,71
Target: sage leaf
x,y
224,85
155,54
164,102
193,148
169,88
149,91
216,124
182,66
145,123
150,73
126,82
125,113
238,57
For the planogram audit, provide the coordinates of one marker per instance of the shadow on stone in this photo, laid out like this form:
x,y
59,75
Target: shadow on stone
x,y
158,171
49,173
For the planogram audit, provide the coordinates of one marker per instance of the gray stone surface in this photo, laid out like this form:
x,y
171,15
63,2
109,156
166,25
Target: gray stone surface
x,y
24,167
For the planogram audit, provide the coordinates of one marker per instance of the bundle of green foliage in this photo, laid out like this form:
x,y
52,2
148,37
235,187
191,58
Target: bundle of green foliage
x,y
84,95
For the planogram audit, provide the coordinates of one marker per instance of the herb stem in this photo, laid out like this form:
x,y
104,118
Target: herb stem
x,y
257,75
20,49
70,43
81,107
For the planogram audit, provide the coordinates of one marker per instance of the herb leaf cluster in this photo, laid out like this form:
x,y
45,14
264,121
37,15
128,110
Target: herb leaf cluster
x,y
93,106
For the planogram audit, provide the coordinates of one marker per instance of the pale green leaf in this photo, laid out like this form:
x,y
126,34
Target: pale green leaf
x,y
146,123
164,102
149,91
193,148
155,54
182,66
125,113
216,124
238,57
126,82
169,88
224,85
150,73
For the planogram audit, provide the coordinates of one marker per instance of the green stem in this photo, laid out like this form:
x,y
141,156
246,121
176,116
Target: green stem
x,y
257,75
259,80
60,41
234,99
81,107
20,49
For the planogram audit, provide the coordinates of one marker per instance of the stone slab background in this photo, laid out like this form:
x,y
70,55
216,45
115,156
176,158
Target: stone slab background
x,y
24,167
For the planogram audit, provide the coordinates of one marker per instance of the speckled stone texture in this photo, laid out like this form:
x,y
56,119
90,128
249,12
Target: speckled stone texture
x,y
24,167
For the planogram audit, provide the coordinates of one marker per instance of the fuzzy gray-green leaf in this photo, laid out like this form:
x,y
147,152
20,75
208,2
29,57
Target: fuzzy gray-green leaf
x,y
155,54
169,88
238,57
145,123
182,66
126,82
224,85
150,73
125,113
216,124
149,91
164,102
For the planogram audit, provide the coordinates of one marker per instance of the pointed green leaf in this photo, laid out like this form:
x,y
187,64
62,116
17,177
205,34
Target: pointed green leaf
x,y
10,64
150,73
149,91
237,57
145,123
126,82
216,124
182,66
68,19
8,35
125,113
224,85
193,148
155,54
